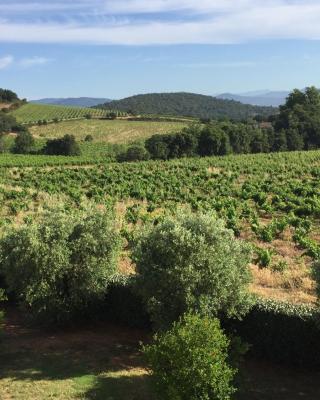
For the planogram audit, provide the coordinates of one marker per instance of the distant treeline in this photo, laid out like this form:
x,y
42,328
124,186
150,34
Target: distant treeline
x,y
190,105
297,127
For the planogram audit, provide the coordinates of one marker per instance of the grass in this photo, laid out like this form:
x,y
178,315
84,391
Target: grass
x,y
103,362
110,131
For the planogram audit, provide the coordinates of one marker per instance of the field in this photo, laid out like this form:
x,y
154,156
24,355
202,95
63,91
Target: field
x,y
271,200
103,362
116,131
32,113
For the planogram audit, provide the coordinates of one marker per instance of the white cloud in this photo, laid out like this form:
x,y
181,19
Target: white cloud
x,y
196,21
33,61
6,61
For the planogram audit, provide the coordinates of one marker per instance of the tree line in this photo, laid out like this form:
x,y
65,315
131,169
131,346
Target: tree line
x,y
296,127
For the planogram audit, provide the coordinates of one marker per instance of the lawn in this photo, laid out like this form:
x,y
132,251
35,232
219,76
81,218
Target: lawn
x,y
103,362
111,131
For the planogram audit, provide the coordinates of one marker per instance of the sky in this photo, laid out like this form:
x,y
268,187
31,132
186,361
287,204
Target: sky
x,y
118,48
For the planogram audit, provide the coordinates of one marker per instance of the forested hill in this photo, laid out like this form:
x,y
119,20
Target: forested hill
x,y
188,104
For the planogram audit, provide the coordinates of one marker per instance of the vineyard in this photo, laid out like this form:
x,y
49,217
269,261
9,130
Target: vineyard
x,y
117,131
34,113
269,200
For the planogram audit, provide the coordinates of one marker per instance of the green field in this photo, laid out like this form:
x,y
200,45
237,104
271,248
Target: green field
x,y
271,200
111,131
32,113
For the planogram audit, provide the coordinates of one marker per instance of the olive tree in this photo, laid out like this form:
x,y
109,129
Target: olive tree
x,y
61,265
191,263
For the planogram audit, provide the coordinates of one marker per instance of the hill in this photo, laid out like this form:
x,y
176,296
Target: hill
x,y
262,98
32,113
72,101
188,104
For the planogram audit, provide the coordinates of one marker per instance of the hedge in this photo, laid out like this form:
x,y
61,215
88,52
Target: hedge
x,y
276,331
281,332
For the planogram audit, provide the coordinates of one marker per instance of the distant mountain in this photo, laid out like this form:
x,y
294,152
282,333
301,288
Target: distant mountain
x,y
188,104
258,98
73,101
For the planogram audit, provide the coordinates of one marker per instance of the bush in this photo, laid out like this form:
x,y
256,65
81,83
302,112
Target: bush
x,y
65,146
190,361
88,138
134,153
191,264
2,298
23,142
61,265
281,332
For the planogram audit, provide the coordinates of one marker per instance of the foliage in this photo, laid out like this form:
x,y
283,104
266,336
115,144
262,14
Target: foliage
x,y
191,263
188,104
65,146
290,332
2,298
8,96
190,361
298,123
7,122
61,265
23,142
134,153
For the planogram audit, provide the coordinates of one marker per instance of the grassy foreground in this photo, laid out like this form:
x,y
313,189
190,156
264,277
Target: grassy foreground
x,y
103,362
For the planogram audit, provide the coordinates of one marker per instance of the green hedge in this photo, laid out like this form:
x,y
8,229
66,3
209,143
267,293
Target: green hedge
x,y
281,332
276,331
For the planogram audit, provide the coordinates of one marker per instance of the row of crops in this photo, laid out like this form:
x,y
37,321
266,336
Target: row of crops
x,y
34,113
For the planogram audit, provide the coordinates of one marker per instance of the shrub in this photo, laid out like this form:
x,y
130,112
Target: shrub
x,y
290,332
190,361
65,146
2,298
88,138
134,153
191,264
61,265
23,142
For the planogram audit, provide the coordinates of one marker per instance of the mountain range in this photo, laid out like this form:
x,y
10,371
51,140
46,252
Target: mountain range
x,y
258,98
264,98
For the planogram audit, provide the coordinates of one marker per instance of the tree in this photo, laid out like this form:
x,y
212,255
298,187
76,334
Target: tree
x,y
280,141
60,266
183,144
7,122
191,263
65,146
157,146
23,142
134,153
190,361
300,117
213,141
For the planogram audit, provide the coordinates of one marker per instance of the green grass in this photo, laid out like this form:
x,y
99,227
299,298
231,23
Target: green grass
x,y
32,113
111,131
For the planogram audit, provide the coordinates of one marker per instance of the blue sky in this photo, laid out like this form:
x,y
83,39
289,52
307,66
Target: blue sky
x,y
116,48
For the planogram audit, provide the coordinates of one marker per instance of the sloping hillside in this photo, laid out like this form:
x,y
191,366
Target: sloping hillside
x,y
188,104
